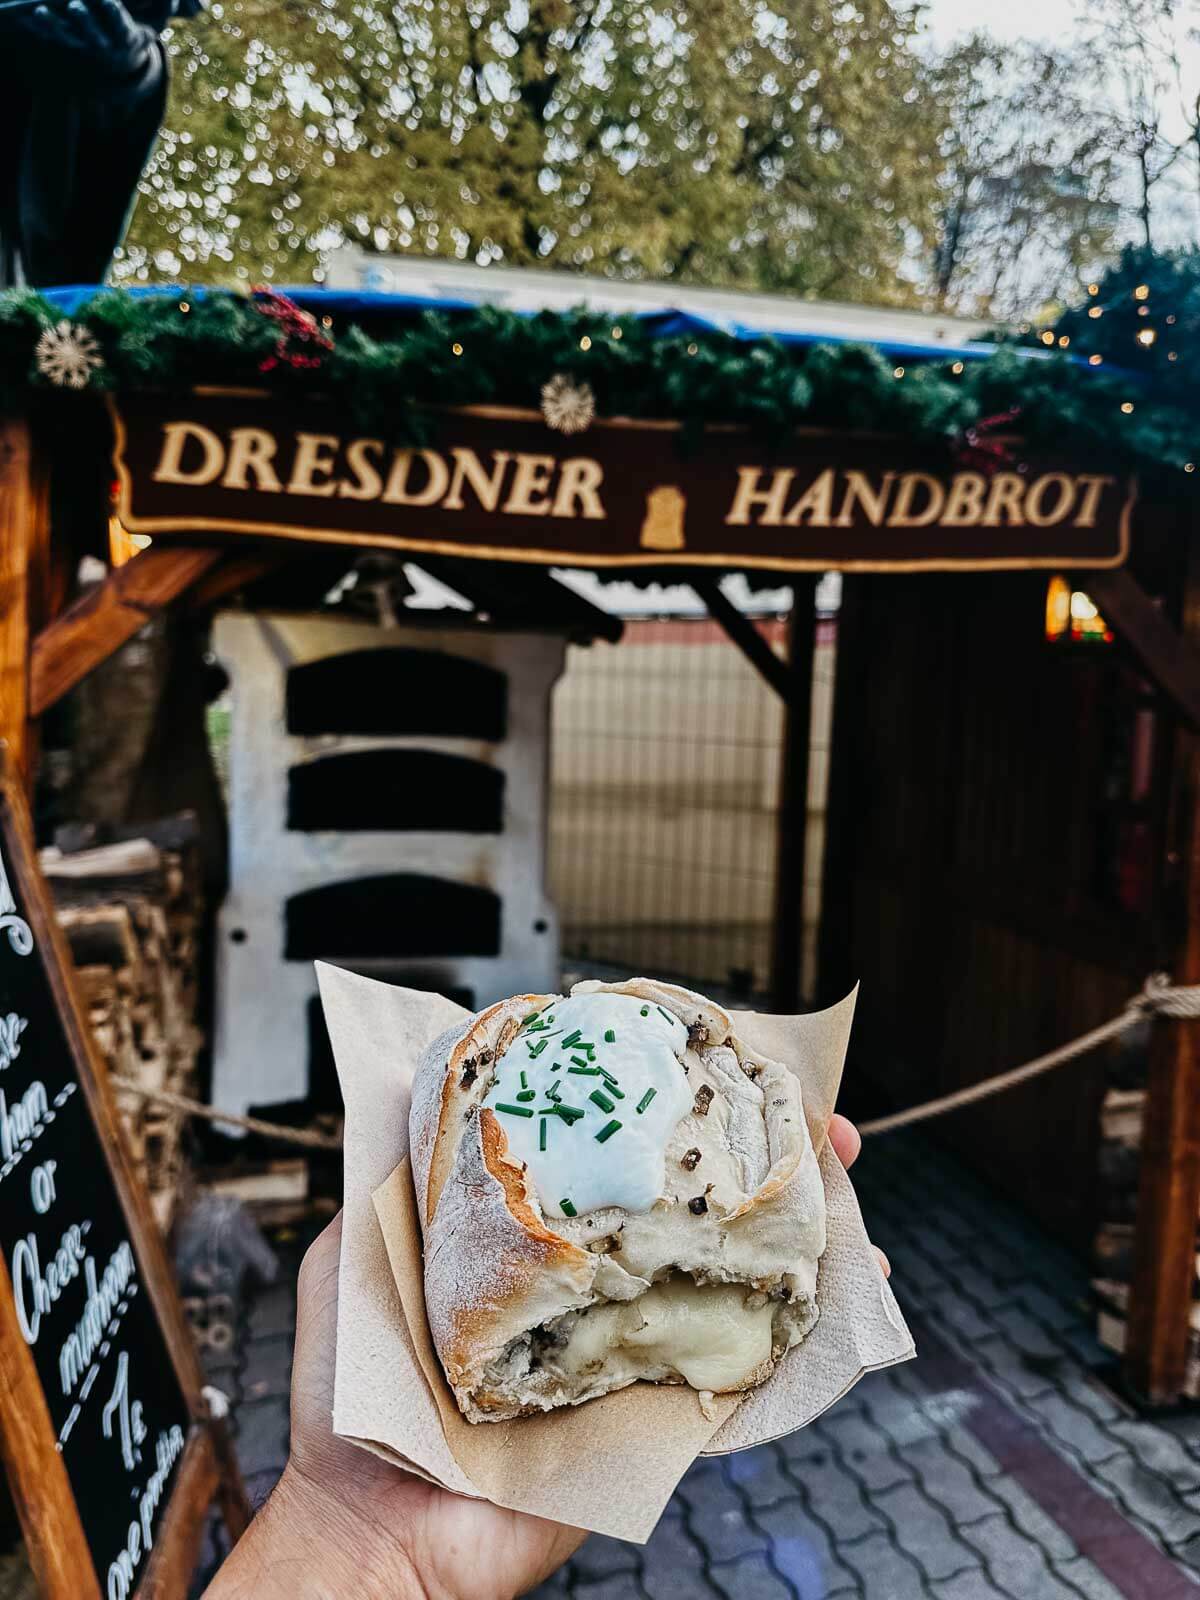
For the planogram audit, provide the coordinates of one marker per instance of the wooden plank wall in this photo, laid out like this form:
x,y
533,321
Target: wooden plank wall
x,y
974,816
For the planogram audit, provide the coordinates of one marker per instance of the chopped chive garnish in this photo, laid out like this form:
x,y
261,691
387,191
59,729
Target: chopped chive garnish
x,y
582,1070
527,1094
568,1113
515,1111
535,1050
532,1017
645,1011
610,1036
542,1134
645,1100
557,1067
572,1038
554,1092
600,1100
668,1015
567,1209
607,1131
589,1050
612,1089
524,1081
582,1061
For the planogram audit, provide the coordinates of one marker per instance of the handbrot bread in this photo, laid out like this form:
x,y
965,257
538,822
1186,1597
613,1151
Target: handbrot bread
x,y
611,1187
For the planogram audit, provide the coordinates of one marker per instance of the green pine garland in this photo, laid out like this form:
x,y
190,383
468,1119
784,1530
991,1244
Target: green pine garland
x,y
380,380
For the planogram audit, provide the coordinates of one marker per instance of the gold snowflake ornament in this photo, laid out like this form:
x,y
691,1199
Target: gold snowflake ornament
x,y
567,407
68,355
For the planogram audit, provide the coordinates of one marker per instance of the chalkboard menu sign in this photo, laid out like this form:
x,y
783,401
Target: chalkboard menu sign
x,y
98,1414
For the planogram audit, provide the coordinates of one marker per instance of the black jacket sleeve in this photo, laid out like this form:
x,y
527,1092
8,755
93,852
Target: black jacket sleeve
x,y
82,153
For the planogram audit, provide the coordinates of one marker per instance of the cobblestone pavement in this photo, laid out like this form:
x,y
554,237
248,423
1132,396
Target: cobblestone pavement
x,y
997,1464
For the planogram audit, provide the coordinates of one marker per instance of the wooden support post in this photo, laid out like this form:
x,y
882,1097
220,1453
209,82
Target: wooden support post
x,y
24,540
107,616
37,1478
787,945
836,968
792,681
1168,1207
1169,1186
177,1545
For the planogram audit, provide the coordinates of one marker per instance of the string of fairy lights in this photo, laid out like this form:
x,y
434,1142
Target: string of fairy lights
x,y
1149,332
1117,351
1145,337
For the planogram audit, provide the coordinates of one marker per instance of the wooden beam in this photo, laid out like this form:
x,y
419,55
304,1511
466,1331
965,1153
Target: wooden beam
x,y
787,944
27,1434
232,573
101,620
177,1543
520,596
24,525
1169,658
746,636
37,1475
1168,1205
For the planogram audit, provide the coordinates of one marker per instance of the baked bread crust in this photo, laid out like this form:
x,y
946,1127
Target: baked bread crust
x,y
504,1285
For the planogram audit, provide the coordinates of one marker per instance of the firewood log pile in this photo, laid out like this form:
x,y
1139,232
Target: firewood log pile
x,y
131,912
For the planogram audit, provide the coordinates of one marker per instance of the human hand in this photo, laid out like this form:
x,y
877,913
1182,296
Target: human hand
x,y
100,35
342,1522
847,1142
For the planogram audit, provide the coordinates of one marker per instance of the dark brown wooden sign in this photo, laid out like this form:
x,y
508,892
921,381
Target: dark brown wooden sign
x,y
110,1460
503,484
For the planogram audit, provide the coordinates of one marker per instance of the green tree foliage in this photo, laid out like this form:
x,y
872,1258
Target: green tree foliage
x,y
787,146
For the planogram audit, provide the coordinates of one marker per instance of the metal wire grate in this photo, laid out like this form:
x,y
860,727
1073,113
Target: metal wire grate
x,y
664,805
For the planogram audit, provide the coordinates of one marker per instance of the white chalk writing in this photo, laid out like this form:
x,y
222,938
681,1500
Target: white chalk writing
x,y
128,1413
20,936
19,1122
140,1534
88,1334
12,1027
36,1292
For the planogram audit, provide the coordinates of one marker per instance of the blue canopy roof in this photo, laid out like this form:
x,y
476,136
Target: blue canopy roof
x,y
365,306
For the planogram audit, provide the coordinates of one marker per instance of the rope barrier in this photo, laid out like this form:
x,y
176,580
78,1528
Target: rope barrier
x,y
1157,998
309,1138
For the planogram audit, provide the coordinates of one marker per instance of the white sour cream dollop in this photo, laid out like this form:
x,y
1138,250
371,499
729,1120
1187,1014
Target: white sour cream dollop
x,y
565,1058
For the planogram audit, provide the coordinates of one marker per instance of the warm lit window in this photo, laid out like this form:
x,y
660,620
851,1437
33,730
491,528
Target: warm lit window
x,y
1071,616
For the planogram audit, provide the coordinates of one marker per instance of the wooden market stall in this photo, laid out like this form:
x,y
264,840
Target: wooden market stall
x,y
948,484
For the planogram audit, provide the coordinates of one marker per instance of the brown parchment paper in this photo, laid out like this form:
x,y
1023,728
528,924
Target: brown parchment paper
x,y
610,1465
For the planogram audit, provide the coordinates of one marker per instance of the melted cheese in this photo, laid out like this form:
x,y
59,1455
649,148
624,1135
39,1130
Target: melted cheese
x,y
644,1058
705,1334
